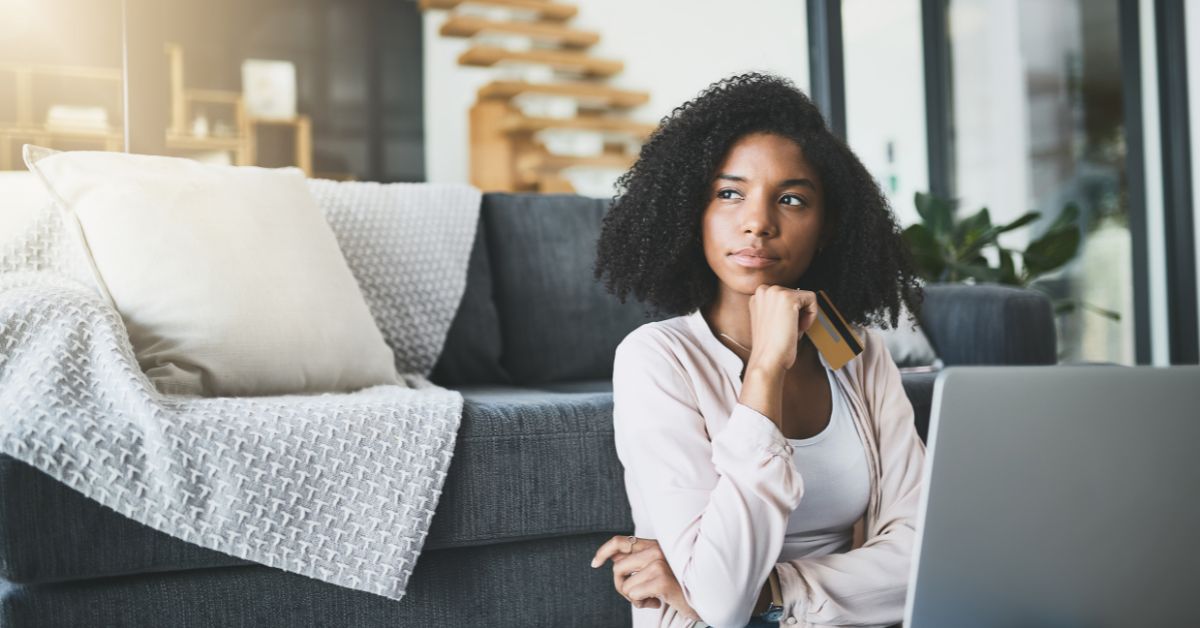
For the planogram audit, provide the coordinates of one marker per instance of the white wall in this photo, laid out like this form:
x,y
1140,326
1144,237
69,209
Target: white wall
x,y
671,48
990,111
885,96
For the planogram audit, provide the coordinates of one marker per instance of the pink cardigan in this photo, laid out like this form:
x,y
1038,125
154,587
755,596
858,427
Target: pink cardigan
x,y
714,482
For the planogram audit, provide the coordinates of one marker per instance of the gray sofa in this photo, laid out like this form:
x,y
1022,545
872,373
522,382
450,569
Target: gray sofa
x,y
534,487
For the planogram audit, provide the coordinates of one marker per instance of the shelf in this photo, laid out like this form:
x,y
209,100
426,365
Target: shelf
x,y
108,135
192,142
212,96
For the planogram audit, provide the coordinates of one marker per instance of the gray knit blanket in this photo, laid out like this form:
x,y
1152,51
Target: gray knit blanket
x,y
337,487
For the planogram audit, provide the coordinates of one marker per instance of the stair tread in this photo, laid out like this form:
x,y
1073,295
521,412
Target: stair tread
x,y
482,55
532,167
471,25
555,11
612,96
534,162
590,123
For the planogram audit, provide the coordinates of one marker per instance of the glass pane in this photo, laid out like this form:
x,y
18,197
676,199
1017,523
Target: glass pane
x,y
60,76
1192,25
885,97
1039,125
651,57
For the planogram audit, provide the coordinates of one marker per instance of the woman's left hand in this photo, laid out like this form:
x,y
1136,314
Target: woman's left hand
x,y
643,576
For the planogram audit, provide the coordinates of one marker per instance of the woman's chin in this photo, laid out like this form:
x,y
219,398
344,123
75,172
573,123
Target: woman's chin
x,y
747,285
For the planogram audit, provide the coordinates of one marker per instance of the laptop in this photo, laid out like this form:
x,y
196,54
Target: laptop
x,y
1060,497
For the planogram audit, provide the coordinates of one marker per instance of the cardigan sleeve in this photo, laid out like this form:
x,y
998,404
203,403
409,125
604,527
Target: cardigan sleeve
x,y
867,586
719,507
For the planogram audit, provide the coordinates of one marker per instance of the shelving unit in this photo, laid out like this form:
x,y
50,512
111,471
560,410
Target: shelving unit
x,y
244,143
20,81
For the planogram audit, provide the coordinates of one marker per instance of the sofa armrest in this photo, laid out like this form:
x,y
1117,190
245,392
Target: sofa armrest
x,y
989,324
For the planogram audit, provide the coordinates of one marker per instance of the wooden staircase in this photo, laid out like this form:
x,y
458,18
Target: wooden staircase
x,y
507,153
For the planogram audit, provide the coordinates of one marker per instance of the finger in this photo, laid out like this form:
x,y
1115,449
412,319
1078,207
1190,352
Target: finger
x,y
619,579
639,586
808,310
647,603
645,586
629,563
612,546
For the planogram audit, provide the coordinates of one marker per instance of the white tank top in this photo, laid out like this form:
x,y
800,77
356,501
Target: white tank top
x,y
837,485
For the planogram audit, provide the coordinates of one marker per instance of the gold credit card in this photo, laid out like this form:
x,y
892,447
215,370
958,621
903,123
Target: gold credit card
x,y
831,335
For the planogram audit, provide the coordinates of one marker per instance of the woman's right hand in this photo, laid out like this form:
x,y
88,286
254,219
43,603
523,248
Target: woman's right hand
x,y
778,316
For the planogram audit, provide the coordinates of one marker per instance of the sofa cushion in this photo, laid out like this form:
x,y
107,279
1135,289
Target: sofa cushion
x,y
49,533
989,324
919,389
408,245
527,464
559,322
531,463
546,582
471,354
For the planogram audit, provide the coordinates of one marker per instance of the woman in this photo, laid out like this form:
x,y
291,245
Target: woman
x,y
765,486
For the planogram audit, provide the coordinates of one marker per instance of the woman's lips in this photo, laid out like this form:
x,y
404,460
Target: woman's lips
x,y
752,261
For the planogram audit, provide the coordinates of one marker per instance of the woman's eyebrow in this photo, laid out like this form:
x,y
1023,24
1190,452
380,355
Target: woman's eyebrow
x,y
783,184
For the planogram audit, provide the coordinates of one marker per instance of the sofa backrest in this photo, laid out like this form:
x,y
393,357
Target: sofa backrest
x,y
533,313
989,324
547,319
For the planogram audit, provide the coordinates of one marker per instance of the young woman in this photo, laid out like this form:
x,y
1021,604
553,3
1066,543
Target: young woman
x,y
765,486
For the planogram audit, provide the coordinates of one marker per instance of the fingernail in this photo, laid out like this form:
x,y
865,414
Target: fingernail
x,y
593,563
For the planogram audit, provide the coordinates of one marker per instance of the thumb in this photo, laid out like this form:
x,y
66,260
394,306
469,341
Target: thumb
x,y
807,319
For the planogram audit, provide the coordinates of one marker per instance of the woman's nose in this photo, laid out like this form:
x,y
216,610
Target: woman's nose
x,y
757,218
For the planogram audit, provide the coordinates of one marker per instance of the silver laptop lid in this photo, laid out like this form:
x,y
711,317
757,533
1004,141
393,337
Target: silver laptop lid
x,y
1060,496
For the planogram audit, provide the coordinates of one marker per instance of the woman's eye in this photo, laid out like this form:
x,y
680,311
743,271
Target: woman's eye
x,y
722,193
799,201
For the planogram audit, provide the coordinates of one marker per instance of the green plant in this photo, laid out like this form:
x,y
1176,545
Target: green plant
x,y
947,249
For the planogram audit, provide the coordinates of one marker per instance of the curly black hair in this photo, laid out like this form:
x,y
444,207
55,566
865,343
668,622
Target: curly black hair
x,y
650,244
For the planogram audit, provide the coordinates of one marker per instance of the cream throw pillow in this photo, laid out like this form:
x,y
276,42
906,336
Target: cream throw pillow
x,y
229,280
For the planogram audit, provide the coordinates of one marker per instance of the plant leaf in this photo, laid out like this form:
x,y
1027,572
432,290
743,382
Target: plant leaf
x,y
927,253
970,230
937,214
1051,251
980,273
1116,316
1068,216
1008,273
1020,222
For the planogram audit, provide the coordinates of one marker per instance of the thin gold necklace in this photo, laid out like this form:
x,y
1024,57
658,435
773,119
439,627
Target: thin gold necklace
x,y
743,347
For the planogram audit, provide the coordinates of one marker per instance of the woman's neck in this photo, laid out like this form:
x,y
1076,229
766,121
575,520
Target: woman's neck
x,y
729,314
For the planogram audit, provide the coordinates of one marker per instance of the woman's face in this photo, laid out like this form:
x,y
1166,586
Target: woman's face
x,y
765,213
